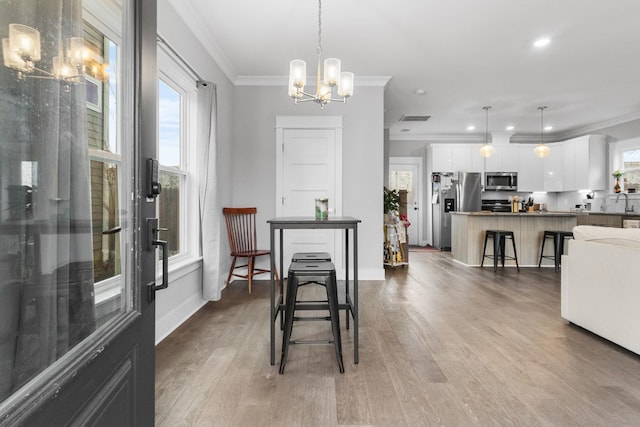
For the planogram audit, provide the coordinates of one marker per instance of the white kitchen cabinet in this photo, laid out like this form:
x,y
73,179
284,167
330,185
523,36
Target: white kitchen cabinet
x,y
568,167
441,160
530,169
504,159
581,164
590,169
552,169
456,158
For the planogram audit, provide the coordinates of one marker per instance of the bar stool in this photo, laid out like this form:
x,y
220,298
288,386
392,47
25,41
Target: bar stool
x,y
499,239
299,271
558,246
311,256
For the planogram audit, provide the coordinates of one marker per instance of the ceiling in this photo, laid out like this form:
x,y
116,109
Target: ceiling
x,y
464,54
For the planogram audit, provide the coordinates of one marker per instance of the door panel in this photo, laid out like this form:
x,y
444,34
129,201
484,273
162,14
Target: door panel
x,y
77,346
308,174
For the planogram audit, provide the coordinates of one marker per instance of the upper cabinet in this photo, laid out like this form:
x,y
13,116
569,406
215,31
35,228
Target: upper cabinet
x,y
530,169
456,158
591,168
504,159
575,164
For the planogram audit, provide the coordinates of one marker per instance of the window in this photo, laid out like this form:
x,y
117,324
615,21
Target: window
x,y
172,175
625,156
631,168
176,122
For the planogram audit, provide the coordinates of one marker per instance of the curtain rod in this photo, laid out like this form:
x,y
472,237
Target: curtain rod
x,y
179,57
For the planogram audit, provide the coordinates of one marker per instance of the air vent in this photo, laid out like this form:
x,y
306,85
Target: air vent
x,y
407,118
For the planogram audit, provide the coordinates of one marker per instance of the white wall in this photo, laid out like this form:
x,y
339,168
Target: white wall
x,y
184,296
254,174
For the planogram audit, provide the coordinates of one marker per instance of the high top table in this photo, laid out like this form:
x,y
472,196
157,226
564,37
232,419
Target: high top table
x,y
350,305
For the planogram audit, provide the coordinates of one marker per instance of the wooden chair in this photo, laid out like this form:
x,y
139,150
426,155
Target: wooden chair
x,y
241,229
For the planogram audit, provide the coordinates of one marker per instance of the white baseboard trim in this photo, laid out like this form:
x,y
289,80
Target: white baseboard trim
x,y
176,317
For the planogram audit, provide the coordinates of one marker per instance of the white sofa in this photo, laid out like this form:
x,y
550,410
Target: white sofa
x,y
601,283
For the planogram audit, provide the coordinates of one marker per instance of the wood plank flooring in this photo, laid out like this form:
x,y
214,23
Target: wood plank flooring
x,y
440,345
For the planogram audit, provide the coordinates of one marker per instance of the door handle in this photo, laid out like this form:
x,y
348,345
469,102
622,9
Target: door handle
x,y
152,243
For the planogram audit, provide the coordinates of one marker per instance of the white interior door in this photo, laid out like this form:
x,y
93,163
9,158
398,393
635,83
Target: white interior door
x,y
309,169
404,174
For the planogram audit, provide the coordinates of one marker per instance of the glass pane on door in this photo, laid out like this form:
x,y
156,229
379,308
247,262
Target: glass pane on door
x,y
64,221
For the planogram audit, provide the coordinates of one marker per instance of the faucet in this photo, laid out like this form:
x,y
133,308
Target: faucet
x,y
627,209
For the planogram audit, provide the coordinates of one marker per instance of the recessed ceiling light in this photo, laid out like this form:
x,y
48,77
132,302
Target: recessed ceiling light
x,y
548,127
471,127
421,92
542,42
405,130
510,127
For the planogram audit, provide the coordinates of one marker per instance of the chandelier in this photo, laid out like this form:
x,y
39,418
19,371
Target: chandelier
x,y
21,52
542,150
332,77
487,149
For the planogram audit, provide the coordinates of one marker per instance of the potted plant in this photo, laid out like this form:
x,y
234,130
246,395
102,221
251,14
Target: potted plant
x,y
391,202
617,174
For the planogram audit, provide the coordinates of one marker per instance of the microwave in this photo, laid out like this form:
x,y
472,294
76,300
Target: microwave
x,y
501,181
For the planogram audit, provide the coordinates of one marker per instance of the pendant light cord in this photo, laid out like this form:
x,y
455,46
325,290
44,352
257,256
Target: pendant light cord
x,y
486,125
319,27
542,124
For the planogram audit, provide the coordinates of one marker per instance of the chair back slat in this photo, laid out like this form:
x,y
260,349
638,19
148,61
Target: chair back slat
x,y
241,229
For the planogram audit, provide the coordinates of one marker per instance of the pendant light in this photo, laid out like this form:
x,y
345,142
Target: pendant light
x,y
542,150
333,77
487,149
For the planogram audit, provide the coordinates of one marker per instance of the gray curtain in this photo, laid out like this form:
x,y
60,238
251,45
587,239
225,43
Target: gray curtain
x,y
211,220
46,262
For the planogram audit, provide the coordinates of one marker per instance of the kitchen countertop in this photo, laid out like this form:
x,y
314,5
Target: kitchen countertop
x,y
548,213
524,214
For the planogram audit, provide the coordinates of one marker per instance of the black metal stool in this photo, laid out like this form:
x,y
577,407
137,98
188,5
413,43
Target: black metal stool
x,y
558,246
299,271
311,256
499,239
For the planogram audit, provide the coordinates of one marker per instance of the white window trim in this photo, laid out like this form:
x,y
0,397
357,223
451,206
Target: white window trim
x,y
172,72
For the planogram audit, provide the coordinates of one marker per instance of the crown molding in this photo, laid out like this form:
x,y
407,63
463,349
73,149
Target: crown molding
x,y
438,138
364,81
523,138
199,29
595,127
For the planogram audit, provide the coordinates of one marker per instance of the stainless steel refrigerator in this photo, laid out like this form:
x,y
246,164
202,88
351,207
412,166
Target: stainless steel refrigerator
x,y
452,192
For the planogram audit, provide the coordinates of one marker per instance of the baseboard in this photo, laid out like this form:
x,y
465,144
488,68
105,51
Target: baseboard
x,y
176,317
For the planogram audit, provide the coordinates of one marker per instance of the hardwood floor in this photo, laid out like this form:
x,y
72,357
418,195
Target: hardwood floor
x,y
440,344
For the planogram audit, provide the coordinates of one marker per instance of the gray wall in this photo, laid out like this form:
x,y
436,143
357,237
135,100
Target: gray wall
x,y
254,174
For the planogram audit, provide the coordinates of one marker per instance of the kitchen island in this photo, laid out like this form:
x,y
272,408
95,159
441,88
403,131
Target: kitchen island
x,y
468,230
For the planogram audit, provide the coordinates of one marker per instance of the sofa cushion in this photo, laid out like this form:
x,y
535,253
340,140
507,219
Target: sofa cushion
x,y
629,237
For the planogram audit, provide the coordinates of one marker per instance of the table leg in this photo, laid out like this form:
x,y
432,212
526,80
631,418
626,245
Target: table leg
x,y
281,276
272,295
346,274
355,295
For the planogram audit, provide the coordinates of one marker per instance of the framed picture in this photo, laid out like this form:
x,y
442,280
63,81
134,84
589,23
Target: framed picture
x,y
94,93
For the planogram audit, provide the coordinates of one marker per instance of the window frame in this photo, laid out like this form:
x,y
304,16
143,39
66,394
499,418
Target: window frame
x,y
179,78
616,153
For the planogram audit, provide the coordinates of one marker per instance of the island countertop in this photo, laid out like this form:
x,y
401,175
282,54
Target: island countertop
x,y
468,231
523,214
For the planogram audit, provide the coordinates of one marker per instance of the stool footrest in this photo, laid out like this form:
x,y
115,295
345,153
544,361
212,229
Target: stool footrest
x,y
311,342
311,318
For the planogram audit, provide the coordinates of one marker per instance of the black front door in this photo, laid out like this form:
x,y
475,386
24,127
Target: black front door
x,y
76,320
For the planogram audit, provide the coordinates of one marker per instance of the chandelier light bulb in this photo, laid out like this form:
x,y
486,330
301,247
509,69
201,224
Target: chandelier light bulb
x,y
331,71
345,88
25,42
